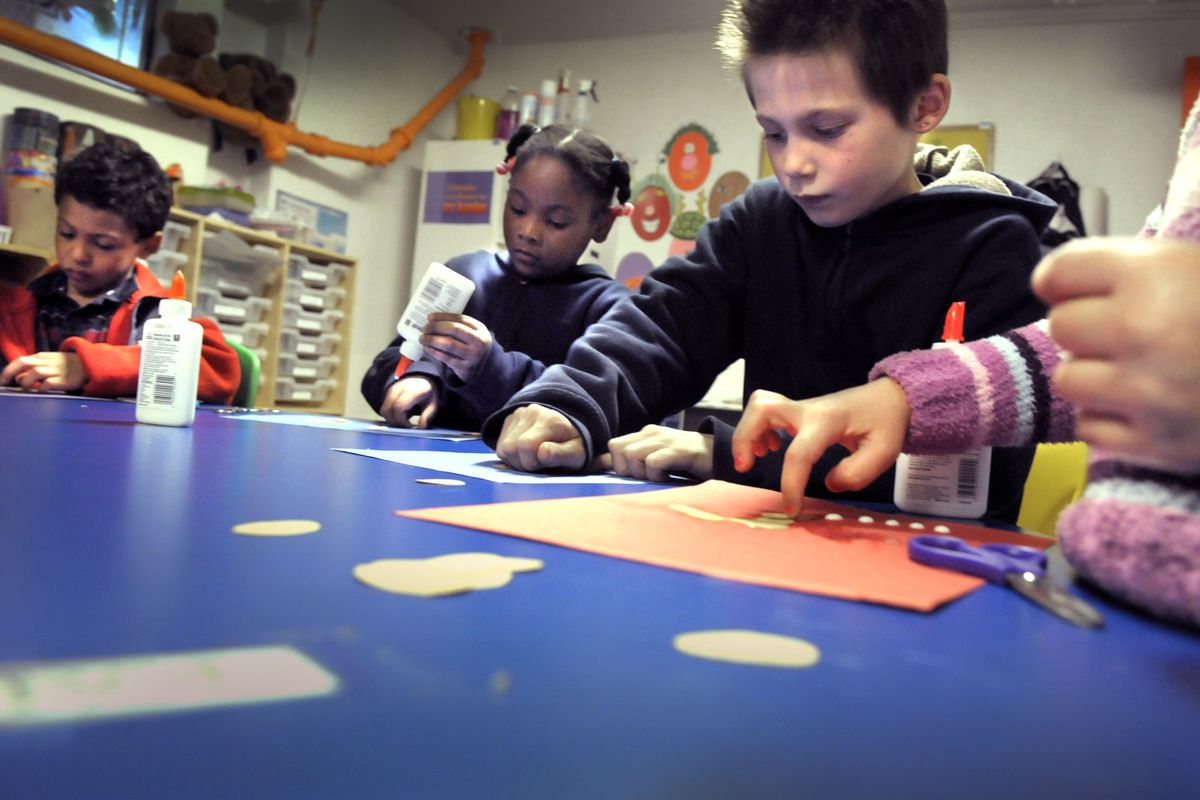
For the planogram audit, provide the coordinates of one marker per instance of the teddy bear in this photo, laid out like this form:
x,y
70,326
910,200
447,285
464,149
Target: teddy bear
x,y
191,37
242,80
253,82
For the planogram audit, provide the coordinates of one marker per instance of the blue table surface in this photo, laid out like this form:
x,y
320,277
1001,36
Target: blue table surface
x,y
116,540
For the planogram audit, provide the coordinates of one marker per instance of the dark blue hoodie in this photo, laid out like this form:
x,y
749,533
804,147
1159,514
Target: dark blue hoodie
x,y
811,309
532,321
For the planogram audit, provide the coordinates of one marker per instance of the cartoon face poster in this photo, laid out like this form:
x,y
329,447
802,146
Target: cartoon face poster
x,y
677,199
689,156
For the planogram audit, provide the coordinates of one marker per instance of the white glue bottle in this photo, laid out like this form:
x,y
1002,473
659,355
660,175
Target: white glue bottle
x,y
169,370
945,485
441,290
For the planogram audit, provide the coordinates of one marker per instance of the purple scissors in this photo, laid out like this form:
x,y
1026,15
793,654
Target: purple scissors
x,y
1022,568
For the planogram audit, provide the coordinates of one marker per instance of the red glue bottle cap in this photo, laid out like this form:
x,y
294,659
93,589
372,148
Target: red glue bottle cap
x,y
952,331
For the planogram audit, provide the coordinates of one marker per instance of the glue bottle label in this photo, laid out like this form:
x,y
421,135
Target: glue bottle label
x,y
950,485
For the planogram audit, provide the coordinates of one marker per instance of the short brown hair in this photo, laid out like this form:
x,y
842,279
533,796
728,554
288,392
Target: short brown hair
x,y
896,45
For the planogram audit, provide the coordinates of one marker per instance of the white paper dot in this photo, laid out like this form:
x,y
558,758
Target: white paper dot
x,y
833,517
942,528
865,518
916,526
892,523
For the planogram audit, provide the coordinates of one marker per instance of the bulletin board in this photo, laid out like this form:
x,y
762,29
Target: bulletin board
x,y
982,137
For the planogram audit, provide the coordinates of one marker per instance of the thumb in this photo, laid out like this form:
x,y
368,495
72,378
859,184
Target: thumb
x,y
562,455
861,467
427,414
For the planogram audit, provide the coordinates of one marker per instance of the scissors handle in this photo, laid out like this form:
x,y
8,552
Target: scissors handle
x,y
991,562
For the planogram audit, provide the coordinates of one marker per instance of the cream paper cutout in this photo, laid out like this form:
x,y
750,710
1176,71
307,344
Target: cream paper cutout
x,y
749,647
277,527
454,573
771,520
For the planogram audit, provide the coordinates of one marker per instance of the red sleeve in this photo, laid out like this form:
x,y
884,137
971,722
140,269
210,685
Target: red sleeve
x,y
112,370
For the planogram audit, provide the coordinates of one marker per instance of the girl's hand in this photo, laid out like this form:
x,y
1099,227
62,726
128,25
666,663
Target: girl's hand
x,y
1128,313
458,341
46,371
405,397
870,420
654,452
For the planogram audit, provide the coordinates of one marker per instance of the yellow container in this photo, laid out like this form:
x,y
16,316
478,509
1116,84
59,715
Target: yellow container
x,y
476,118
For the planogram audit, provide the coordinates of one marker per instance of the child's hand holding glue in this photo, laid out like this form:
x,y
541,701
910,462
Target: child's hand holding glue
x,y
458,341
434,317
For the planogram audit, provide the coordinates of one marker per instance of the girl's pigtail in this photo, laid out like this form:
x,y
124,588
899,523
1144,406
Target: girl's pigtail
x,y
514,144
620,178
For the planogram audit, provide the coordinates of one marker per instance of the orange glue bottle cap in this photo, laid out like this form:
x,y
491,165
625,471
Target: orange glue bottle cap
x,y
952,331
178,290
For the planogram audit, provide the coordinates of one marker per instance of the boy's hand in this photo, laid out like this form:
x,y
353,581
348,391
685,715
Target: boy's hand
x,y
1128,312
458,341
870,420
535,437
404,397
654,452
46,371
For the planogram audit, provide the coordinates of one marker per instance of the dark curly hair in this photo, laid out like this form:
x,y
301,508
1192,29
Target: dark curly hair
x,y
896,45
123,179
588,156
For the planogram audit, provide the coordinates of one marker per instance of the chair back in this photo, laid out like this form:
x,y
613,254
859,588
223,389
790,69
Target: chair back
x,y
247,390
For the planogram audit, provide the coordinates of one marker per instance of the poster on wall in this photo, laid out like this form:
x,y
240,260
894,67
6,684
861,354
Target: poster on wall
x,y
462,198
320,226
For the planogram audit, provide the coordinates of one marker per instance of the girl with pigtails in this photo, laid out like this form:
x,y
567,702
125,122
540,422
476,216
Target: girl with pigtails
x,y
531,300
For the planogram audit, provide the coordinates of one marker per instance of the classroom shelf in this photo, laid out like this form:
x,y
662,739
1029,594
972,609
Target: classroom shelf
x,y
288,301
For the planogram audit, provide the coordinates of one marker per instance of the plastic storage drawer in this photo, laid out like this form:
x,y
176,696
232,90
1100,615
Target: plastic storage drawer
x,y
307,345
292,391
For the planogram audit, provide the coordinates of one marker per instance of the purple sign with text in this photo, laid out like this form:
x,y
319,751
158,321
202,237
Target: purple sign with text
x,y
459,197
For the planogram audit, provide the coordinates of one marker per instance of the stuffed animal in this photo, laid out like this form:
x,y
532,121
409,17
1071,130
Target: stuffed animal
x,y
243,80
258,85
191,38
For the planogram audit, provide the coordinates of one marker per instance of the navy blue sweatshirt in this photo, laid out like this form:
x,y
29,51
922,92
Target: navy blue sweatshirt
x,y
533,321
811,309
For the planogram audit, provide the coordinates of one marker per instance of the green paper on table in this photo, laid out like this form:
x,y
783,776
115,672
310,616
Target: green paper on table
x,y
740,533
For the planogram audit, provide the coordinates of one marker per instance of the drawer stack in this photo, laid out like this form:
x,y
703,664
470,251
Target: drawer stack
x,y
310,345
235,281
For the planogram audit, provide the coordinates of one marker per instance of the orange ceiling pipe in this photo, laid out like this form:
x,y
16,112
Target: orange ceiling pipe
x,y
275,136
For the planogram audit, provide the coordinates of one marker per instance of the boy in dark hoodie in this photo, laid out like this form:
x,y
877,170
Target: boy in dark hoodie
x,y
852,253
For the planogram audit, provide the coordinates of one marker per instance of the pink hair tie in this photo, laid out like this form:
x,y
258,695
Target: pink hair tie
x,y
623,210
505,166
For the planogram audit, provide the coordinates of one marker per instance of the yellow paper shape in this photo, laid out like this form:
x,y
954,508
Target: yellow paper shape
x,y
454,573
749,647
278,527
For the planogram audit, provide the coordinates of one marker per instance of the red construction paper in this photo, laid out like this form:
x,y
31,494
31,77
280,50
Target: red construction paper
x,y
848,559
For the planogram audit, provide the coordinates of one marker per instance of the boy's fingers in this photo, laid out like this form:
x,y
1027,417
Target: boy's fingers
x,y
10,371
561,455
